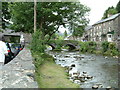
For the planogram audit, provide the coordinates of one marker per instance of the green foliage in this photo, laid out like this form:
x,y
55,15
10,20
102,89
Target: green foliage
x,y
84,46
78,31
58,43
37,44
50,15
5,14
22,16
88,46
109,49
65,34
118,7
105,46
92,46
111,11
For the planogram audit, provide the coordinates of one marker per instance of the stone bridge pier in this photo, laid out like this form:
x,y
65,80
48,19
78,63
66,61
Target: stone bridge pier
x,y
19,73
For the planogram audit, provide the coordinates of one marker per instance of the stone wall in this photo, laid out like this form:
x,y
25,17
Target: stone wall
x,y
19,73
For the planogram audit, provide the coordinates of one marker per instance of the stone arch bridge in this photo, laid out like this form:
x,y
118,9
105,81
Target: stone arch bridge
x,y
70,43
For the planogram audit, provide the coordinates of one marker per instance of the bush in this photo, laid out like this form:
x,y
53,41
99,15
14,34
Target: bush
x,y
105,46
109,49
37,44
88,46
92,46
84,47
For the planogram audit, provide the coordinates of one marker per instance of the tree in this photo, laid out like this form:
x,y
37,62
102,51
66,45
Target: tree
x,y
5,14
109,11
65,34
118,7
22,16
78,32
50,15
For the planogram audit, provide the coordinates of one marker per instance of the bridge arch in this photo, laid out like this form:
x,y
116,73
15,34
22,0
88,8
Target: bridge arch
x,y
53,46
71,46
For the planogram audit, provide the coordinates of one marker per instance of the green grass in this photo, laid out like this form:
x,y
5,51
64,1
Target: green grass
x,y
51,75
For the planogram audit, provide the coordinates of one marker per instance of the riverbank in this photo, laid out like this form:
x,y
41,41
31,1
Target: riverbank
x,y
50,75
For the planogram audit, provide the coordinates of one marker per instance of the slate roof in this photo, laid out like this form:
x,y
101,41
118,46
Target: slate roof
x,y
88,27
108,19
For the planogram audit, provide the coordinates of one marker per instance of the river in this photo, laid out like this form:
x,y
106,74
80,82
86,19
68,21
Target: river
x,y
102,70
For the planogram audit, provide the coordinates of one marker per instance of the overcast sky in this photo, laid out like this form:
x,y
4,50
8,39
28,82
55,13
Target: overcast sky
x,y
97,8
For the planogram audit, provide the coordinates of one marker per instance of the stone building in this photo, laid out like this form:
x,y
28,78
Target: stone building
x,y
105,30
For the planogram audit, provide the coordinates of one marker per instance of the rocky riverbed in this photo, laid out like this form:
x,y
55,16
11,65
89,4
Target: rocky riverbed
x,y
19,73
89,70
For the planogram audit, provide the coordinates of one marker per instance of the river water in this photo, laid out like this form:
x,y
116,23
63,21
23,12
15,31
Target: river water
x,y
103,70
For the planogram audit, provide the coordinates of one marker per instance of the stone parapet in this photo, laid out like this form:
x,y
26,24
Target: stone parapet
x,y
19,73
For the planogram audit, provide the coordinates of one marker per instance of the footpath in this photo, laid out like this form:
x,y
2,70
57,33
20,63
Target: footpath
x,y
19,73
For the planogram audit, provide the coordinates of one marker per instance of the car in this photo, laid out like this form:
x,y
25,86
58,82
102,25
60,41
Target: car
x,y
10,55
15,48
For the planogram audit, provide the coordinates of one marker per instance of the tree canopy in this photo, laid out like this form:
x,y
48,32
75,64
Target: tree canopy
x,y
109,11
5,14
118,7
50,16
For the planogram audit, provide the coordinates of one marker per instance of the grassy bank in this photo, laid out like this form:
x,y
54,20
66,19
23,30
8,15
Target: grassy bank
x,y
50,75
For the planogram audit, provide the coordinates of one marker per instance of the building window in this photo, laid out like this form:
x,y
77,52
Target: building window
x,y
99,27
109,29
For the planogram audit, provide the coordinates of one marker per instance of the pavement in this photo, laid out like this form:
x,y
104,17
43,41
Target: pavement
x,y
19,73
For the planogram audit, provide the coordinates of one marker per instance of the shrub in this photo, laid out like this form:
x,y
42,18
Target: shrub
x,y
37,44
84,47
109,49
88,46
105,46
92,46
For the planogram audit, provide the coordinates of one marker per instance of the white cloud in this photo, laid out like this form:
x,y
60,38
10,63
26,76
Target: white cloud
x,y
98,7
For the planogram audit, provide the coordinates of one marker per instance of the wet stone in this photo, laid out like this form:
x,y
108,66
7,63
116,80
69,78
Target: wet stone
x,y
108,88
89,77
84,72
67,56
77,81
95,87
85,75
73,65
